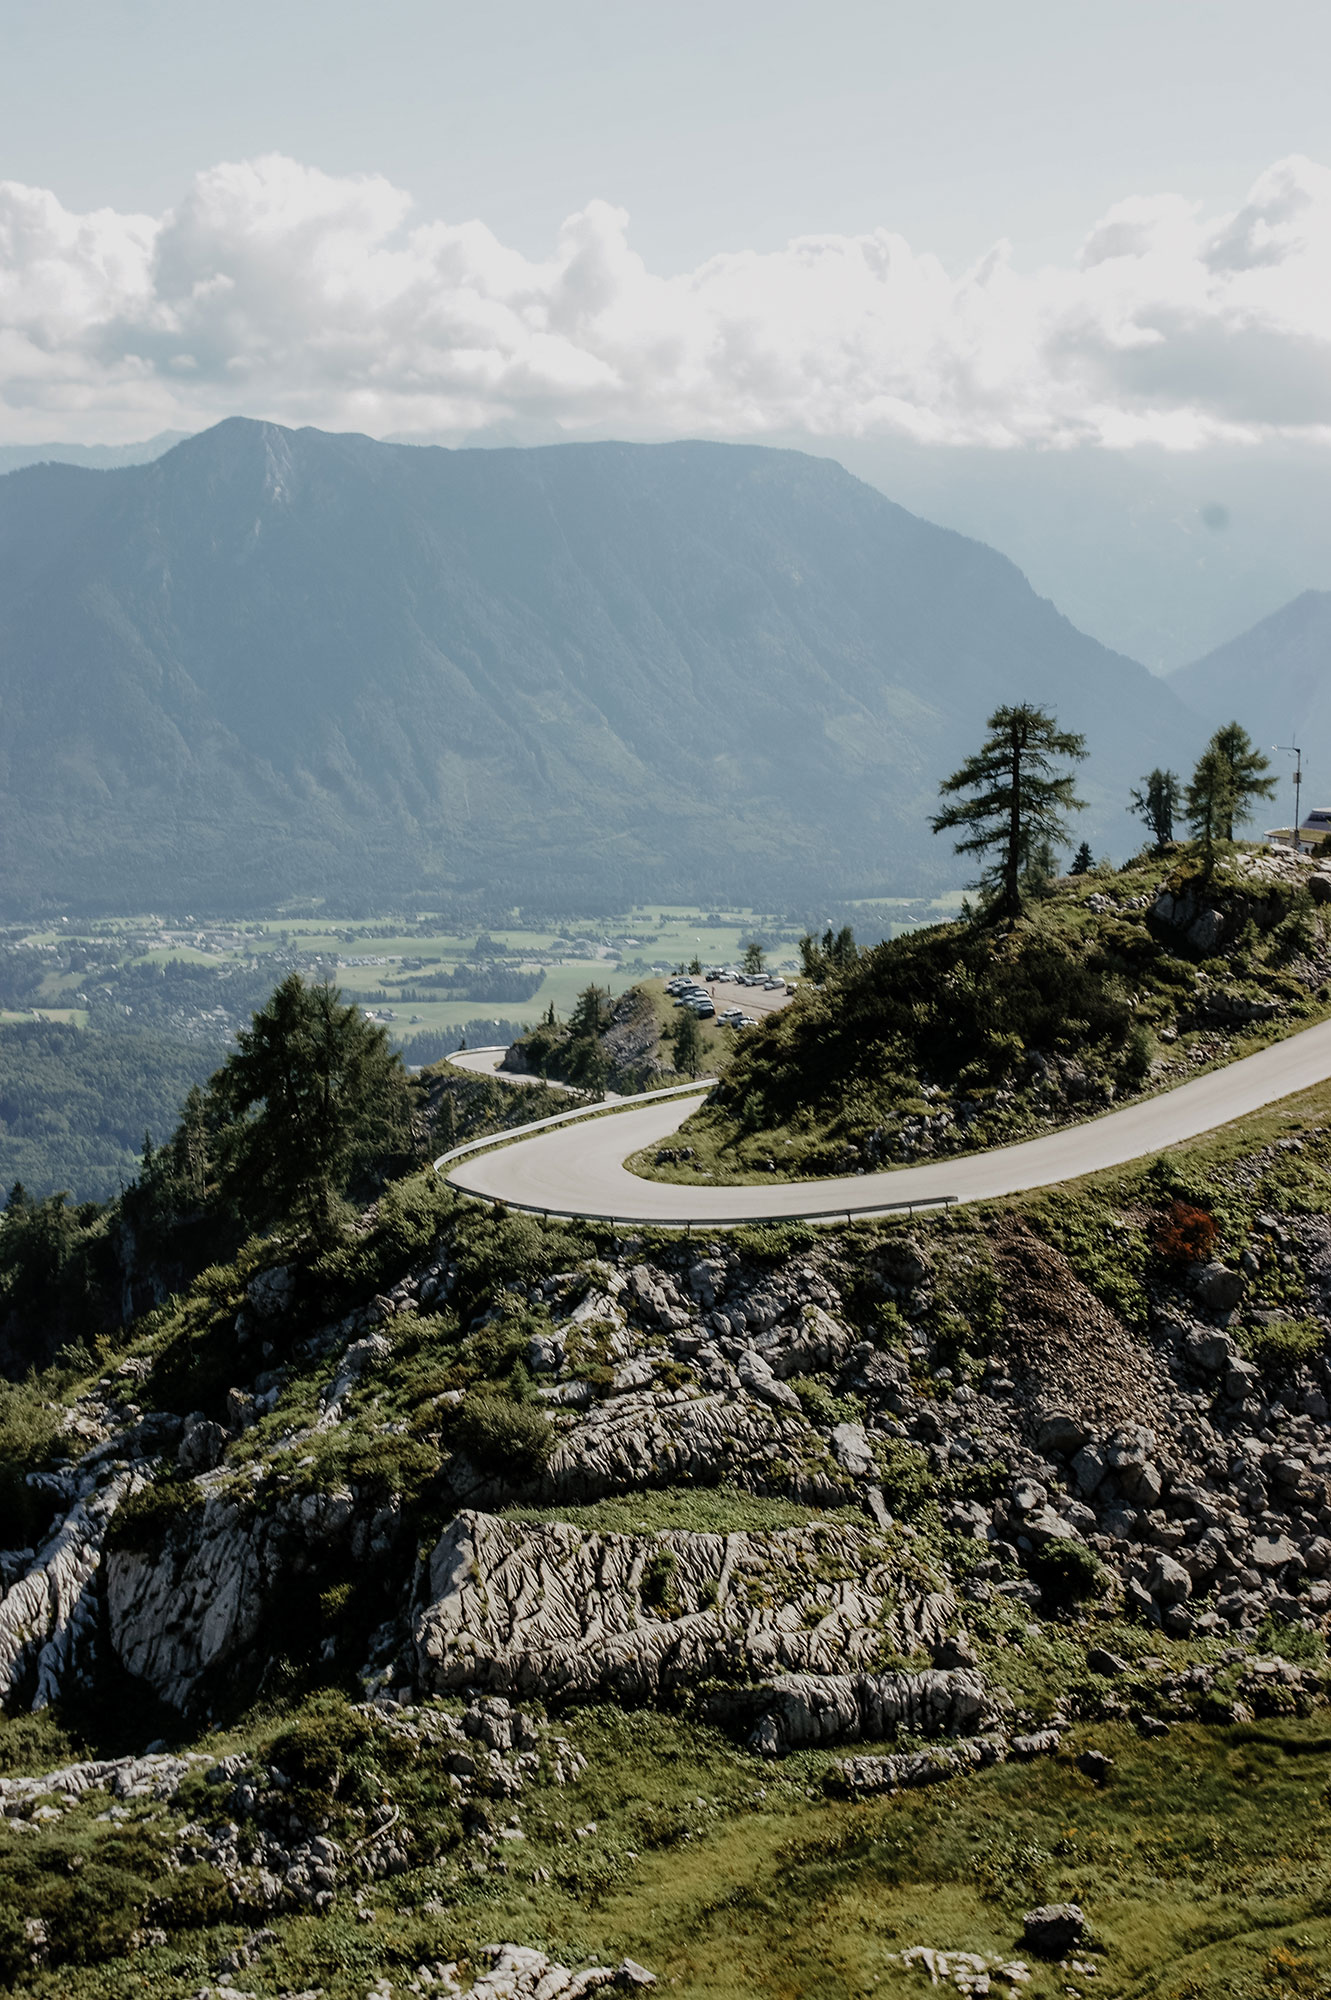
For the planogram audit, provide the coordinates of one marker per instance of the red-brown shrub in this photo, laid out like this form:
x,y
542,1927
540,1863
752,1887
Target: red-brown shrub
x,y
1186,1235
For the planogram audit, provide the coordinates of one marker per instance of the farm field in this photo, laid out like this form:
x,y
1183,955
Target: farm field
x,y
139,1007
394,967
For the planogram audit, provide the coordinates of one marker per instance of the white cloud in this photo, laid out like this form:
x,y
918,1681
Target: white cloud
x,y
279,291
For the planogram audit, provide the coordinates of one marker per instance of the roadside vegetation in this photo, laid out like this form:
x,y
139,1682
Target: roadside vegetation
x,y
1051,999
639,1041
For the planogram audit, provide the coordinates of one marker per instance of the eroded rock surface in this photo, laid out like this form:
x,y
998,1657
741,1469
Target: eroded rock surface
x,y
549,1609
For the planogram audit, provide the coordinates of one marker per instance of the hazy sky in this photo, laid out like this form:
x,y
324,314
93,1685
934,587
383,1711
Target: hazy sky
x,y
730,125
1041,221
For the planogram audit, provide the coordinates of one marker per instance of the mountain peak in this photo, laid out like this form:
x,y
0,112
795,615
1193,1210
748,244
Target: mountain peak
x,y
297,662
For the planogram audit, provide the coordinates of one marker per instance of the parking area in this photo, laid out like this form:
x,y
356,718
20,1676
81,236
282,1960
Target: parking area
x,y
734,998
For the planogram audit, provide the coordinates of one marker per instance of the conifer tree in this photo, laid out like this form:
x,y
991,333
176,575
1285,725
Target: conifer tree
x,y
1019,801
311,1091
1208,803
837,952
1248,781
688,1042
1157,803
1082,861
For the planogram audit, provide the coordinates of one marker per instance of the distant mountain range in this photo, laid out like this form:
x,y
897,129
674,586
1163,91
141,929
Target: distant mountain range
x,y
100,456
1277,680
275,663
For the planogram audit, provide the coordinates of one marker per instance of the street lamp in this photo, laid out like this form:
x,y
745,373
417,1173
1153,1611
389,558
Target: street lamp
x,y
1293,750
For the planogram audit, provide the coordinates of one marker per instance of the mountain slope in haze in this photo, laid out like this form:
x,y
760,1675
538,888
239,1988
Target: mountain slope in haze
x,y
100,456
1274,680
277,662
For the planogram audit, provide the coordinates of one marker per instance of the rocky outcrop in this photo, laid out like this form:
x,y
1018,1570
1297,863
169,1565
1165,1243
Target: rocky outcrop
x,y
198,1598
551,1610
636,1440
861,1777
48,1616
519,1973
799,1711
155,1775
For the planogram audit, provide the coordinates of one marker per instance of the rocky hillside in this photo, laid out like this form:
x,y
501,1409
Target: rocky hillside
x,y
1116,984
484,1600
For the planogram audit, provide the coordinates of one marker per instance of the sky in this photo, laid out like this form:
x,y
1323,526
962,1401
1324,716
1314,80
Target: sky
x,y
884,230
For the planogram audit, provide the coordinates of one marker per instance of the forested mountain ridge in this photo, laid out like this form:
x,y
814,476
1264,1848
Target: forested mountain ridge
x,y
279,662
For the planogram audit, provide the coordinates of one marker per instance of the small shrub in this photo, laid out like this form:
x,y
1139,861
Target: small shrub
x,y
198,1896
33,1743
335,1602
1186,1235
1138,1051
907,1480
660,1592
502,1437
1290,1642
29,1435
1283,1343
894,1329
143,1522
774,1242
499,1346
1067,1572
317,1752
820,1406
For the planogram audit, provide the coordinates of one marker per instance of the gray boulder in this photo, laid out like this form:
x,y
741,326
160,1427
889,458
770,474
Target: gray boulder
x,y
1170,1582
1216,1287
1089,1467
1061,1434
1272,1552
201,1446
1209,1352
1054,1929
756,1376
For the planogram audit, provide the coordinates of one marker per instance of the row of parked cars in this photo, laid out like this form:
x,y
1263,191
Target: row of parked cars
x,y
771,982
689,992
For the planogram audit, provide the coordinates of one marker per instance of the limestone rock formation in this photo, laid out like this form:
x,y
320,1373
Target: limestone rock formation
x,y
549,1609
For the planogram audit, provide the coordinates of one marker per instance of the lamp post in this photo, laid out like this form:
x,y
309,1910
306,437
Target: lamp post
x,y
1293,750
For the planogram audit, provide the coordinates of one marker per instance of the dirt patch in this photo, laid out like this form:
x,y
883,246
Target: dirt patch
x,y
1066,1350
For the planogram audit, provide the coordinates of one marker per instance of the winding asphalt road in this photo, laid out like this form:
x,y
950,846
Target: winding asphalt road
x,y
577,1168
